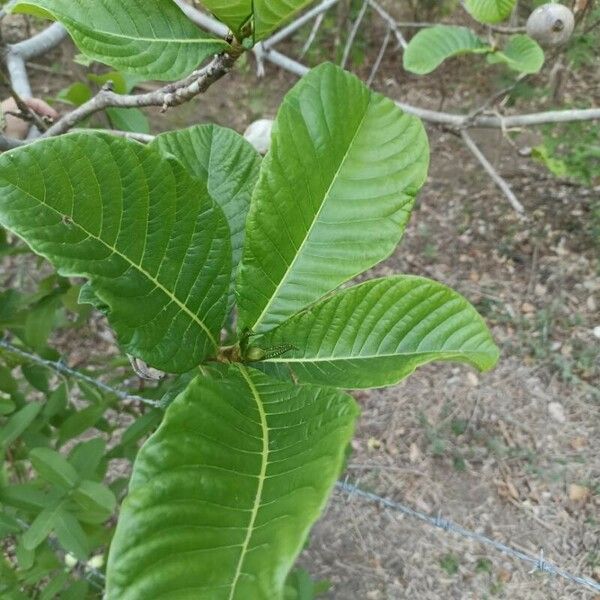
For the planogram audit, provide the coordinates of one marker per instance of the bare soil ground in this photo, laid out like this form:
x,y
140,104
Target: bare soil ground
x,y
514,453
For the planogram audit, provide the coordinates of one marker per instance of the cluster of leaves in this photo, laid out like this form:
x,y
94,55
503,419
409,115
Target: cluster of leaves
x,y
571,151
433,45
55,507
176,238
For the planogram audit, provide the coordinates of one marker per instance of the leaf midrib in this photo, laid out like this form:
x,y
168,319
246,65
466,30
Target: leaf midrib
x,y
371,356
261,478
80,27
315,219
157,283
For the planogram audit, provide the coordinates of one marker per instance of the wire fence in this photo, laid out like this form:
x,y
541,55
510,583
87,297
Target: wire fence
x,y
538,563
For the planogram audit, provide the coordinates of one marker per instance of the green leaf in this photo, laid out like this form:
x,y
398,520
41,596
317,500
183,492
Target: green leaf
x,y
522,54
17,424
40,322
121,83
224,493
55,585
36,375
86,456
25,557
7,405
76,591
154,39
490,11
41,527
71,535
28,497
379,332
128,119
80,421
234,13
8,525
57,401
141,427
76,94
154,247
432,46
52,467
227,164
271,14
96,497
334,194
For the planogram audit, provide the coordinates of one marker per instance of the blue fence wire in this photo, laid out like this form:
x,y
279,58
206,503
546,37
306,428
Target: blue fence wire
x,y
539,563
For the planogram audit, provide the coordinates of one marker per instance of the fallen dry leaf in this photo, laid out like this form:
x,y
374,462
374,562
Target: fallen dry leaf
x,y
578,493
579,442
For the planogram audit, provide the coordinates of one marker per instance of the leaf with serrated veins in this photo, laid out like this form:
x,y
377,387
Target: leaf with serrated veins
x,y
224,493
154,39
433,45
153,245
227,164
490,11
333,197
522,54
234,13
377,333
271,14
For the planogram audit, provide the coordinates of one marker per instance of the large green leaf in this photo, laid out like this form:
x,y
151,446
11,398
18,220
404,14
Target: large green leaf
x,y
234,13
432,46
490,11
522,54
151,242
270,14
227,164
333,197
379,332
224,493
154,39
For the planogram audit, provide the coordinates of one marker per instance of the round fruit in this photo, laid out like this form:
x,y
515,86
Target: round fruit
x,y
551,24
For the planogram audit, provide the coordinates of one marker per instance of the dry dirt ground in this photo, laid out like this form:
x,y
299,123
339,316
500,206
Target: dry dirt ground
x,y
514,453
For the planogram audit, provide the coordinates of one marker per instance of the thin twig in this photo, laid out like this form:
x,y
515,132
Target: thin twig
x,y
313,34
18,54
171,95
391,23
26,113
353,33
497,96
457,121
284,33
498,180
61,368
425,24
384,45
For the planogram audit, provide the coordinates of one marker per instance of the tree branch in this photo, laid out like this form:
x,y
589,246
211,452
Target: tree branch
x,y
7,143
18,54
392,23
62,369
496,177
284,33
170,95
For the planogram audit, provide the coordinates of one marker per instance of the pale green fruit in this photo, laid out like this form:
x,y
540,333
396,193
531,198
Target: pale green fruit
x,y
551,24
